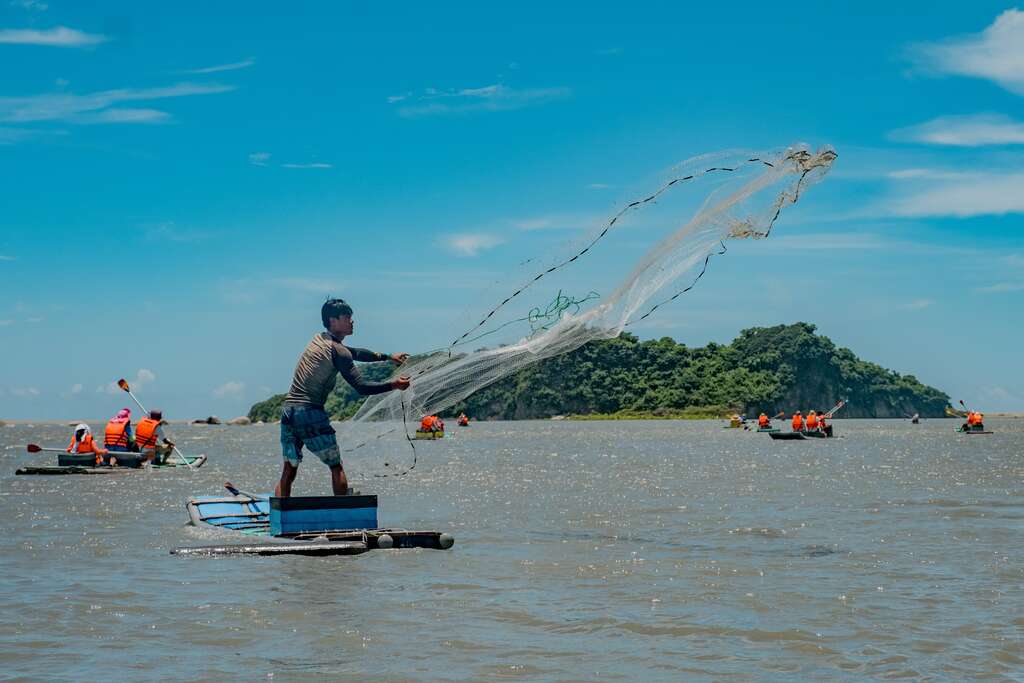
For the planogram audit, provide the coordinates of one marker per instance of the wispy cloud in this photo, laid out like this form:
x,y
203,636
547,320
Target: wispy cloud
x,y
30,5
97,107
610,51
259,158
917,304
6,258
488,98
229,389
313,165
975,195
60,36
598,186
73,391
995,54
25,392
313,285
965,131
169,231
233,66
6,322
471,244
1002,288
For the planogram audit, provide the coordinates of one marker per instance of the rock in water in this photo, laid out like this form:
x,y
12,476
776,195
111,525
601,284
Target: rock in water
x,y
240,421
212,420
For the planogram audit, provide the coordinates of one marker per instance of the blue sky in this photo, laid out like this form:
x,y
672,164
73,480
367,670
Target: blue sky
x,y
183,186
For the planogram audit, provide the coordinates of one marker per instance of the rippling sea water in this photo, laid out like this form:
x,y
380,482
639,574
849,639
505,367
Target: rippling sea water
x,y
584,551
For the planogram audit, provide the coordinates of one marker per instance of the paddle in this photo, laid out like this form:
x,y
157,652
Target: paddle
x,y
123,383
238,492
32,448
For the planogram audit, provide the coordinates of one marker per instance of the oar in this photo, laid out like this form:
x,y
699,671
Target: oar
x,y
123,383
32,448
238,492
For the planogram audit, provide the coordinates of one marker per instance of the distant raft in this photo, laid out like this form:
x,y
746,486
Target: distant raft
x,y
969,432
429,434
301,526
194,460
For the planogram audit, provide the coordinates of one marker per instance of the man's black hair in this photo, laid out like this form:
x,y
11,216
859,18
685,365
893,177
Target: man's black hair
x,y
333,308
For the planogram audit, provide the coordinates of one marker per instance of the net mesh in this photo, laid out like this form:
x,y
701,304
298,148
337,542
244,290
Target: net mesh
x,y
651,252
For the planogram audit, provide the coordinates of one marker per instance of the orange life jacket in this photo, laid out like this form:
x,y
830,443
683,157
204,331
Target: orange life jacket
x,y
798,423
116,434
145,433
762,421
84,446
427,424
812,421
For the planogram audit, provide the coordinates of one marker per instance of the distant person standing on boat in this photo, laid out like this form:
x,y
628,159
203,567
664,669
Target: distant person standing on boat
x,y
763,422
304,422
150,439
798,422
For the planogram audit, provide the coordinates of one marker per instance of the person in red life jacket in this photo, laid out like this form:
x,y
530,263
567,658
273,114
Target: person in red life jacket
x,y
798,422
150,439
763,422
463,420
117,435
824,426
812,421
82,442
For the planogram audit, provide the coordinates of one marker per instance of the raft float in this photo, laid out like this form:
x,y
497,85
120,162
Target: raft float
x,y
301,525
73,463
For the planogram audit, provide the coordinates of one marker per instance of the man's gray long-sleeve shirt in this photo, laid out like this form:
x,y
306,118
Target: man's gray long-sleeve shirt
x,y
317,371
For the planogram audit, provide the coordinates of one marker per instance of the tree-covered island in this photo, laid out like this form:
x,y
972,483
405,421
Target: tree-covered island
x,y
769,369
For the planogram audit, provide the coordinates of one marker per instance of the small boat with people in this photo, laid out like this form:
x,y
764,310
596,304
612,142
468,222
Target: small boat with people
x,y
431,427
974,424
814,426
463,420
300,525
94,463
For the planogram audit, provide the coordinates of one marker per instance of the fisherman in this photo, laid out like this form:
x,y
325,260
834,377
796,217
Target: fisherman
x,y
763,422
117,435
304,422
812,421
463,420
82,442
798,422
150,439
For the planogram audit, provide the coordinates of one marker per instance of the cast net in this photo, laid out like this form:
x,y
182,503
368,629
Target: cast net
x,y
650,252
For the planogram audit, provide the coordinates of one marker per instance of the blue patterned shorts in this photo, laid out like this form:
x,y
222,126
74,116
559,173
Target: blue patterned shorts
x,y
310,427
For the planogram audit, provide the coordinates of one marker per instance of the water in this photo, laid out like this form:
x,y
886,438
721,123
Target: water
x,y
584,551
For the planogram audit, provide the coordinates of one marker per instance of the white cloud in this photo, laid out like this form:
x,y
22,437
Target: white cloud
x,y
12,136
471,244
978,195
229,389
60,36
965,131
34,320
598,186
84,108
233,66
6,258
1002,288
398,98
25,392
5,323
995,54
73,391
488,98
313,165
918,304
119,115
929,174
259,158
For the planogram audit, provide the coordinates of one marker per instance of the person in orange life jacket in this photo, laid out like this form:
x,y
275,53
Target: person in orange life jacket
x,y
82,442
763,422
798,422
812,421
150,439
117,435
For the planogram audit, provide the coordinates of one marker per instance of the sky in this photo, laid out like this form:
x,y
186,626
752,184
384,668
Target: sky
x,y
183,185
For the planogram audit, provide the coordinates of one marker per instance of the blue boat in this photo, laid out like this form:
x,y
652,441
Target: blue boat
x,y
320,525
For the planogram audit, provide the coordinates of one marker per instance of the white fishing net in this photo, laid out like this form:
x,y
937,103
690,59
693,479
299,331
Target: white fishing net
x,y
649,253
